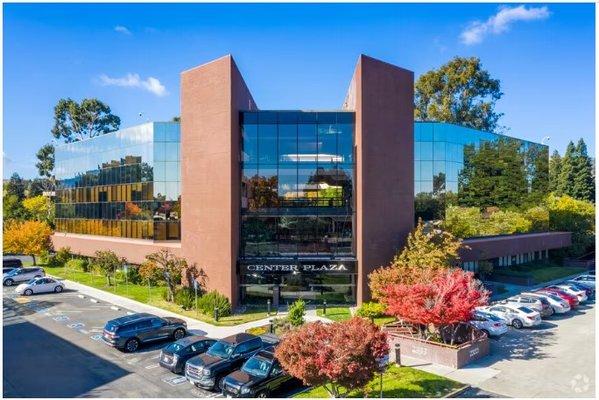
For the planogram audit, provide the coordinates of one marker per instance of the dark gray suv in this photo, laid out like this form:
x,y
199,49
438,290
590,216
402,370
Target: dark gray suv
x,y
128,332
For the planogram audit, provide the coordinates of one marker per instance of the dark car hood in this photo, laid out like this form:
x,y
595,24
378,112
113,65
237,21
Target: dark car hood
x,y
206,360
173,321
240,378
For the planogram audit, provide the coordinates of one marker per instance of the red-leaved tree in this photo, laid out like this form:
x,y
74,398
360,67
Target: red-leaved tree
x,y
339,355
446,301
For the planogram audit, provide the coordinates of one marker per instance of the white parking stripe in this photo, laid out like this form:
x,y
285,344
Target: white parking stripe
x,y
152,366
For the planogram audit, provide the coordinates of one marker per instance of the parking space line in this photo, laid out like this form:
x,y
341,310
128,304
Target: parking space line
x,y
152,366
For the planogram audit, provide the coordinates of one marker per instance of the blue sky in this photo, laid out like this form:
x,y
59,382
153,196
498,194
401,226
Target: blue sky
x,y
292,56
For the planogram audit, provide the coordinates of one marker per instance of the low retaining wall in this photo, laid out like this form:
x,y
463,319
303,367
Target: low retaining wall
x,y
438,353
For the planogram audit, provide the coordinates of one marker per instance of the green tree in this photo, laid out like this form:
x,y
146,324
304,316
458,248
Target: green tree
x,y
567,172
77,121
297,311
45,164
40,208
459,92
576,216
12,208
15,186
537,162
463,222
555,168
171,268
583,187
108,263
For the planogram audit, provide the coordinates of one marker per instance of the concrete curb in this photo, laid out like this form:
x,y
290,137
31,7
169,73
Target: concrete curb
x,y
457,392
94,300
115,308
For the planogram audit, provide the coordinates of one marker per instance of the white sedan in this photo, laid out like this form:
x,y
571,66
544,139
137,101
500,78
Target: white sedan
x,y
558,304
488,323
518,317
40,285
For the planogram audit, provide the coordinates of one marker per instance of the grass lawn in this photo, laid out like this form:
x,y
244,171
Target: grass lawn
x,y
542,272
343,313
397,382
150,295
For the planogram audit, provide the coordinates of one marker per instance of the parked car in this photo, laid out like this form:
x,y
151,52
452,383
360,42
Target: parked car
x,y
586,279
260,376
490,324
174,356
572,300
225,356
558,304
590,291
525,301
9,264
128,332
22,275
581,295
518,317
40,285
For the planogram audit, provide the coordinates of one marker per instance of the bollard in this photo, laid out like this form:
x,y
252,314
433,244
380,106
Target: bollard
x,y
268,307
216,314
324,307
271,327
397,354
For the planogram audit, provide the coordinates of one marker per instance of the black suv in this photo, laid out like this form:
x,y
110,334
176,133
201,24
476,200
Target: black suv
x,y
223,357
174,356
128,332
260,376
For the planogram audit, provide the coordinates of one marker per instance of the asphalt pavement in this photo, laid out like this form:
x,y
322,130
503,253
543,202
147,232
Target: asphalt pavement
x,y
52,348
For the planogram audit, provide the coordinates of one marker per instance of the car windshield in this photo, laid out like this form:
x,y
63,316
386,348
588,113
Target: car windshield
x,y
256,366
526,310
30,281
221,350
174,347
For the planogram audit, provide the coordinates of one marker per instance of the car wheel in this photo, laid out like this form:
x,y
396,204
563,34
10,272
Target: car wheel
x,y
8,282
132,345
219,383
179,333
551,311
28,292
517,324
262,395
58,289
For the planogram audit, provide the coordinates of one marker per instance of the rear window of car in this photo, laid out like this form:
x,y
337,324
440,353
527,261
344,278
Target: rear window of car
x,y
526,310
174,347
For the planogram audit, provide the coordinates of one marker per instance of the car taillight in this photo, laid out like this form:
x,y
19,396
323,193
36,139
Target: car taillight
x,y
496,324
530,317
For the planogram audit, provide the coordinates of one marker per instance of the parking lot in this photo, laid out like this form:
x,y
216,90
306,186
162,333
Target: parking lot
x,y
555,359
52,348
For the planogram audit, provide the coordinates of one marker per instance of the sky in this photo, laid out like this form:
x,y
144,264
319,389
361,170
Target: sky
x,y
292,56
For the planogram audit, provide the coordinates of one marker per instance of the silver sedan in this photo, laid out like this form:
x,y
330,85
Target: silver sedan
x,y
40,285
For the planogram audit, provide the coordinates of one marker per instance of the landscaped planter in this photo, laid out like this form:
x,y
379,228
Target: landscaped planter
x,y
439,353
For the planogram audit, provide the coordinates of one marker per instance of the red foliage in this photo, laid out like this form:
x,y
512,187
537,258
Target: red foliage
x,y
342,354
450,297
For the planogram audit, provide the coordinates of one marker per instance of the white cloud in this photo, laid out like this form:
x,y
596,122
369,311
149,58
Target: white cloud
x,y
151,84
501,22
122,29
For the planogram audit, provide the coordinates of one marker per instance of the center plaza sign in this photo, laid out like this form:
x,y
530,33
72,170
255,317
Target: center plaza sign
x,y
300,266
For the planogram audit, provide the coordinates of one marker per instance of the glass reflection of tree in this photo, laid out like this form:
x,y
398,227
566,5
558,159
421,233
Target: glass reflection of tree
x,y
334,187
262,192
439,183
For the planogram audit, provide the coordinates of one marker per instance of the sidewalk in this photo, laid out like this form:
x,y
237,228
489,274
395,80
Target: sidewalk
x,y
193,325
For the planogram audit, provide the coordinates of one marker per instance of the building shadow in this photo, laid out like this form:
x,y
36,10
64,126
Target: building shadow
x,y
37,363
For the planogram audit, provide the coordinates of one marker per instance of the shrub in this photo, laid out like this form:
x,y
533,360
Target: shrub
x,y
77,264
296,313
371,310
132,277
63,255
210,300
185,297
